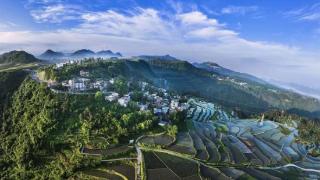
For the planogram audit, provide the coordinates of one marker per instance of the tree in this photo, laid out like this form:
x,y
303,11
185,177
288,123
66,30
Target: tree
x,y
120,85
98,96
172,130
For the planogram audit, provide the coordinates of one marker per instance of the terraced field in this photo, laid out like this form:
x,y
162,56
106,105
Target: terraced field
x,y
114,172
107,152
162,140
230,148
163,166
183,144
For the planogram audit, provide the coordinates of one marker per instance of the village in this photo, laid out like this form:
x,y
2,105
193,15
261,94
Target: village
x,y
157,100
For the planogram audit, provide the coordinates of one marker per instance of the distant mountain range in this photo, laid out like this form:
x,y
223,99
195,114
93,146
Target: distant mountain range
x,y
149,57
309,91
214,67
51,55
17,57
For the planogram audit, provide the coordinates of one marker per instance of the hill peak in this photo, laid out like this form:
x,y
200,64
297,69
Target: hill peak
x,y
17,57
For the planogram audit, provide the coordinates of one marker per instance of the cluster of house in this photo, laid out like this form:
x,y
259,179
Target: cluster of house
x,y
159,101
161,105
83,83
114,96
60,65
231,80
164,104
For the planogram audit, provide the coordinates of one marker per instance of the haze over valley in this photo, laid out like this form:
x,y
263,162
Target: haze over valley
x,y
144,90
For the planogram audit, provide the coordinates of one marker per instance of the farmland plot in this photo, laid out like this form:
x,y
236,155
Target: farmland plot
x,y
259,174
100,174
211,148
213,173
152,161
199,146
181,167
161,174
232,172
226,149
162,140
184,144
126,170
108,152
237,154
156,169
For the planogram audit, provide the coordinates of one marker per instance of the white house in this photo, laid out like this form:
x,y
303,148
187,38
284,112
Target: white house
x,y
99,85
163,123
112,97
59,65
143,85
124,100
183,106
65,83
157,110
165,109
174,104
111,81
84,73
143,107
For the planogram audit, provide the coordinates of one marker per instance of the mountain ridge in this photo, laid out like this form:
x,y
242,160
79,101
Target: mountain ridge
x,y
52,55
17,57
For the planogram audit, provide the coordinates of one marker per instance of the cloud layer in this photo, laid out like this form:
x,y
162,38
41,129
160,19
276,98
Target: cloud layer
x,y
189,35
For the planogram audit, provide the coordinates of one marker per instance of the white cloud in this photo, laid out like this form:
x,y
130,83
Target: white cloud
x,y
307,13
7,25
239,9
190,35
141,24
196,18
56,13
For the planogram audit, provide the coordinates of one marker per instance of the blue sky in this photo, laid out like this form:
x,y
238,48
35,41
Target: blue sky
x,y
271,39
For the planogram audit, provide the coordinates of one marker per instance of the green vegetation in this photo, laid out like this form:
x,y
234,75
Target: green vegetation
x,y
48,134
183,78
309,132
42,132
9,82
17,57
284,130
178,118
172,130
10,68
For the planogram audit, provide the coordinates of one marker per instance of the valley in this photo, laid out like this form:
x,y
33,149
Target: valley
x,y
98,118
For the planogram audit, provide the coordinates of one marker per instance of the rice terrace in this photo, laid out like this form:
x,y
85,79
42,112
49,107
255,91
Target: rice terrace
x,y
160,90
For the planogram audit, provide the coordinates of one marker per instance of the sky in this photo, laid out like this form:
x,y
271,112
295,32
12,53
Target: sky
x,y
272,39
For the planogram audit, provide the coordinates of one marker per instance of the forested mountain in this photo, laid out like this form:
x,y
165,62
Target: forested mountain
x,y
164,58
108,53
82,53
17,57
51,55
214,67
235,90
181,76
42,132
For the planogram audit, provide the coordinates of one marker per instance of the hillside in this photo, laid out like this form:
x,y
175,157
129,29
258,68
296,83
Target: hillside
x,y
17,57
247,94
213,67
52,134
184,78
82,53
51,55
